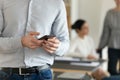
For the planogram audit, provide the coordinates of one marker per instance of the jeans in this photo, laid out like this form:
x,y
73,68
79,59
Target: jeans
x,y
114,57
45,74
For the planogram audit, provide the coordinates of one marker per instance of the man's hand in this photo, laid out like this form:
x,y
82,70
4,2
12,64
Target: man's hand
x,y
51,45
30,41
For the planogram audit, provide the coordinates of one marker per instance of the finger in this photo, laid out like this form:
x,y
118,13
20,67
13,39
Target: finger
x,y
34,33
55,45
49,48
32,44
34,47
53,40
37,42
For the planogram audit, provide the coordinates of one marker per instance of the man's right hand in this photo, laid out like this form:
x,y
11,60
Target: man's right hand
x,y
30,41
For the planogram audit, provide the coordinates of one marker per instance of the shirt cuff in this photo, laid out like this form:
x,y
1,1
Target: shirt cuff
x,y
18,43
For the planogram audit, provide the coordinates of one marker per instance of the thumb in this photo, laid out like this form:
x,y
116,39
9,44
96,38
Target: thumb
x,y
33,33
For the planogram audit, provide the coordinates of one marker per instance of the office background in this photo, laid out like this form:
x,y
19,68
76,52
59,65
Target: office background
x,y
94,12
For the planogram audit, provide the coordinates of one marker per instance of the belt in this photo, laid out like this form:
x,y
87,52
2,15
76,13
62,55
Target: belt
x,y
25,71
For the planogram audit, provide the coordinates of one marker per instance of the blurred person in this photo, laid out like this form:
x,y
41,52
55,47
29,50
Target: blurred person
x,y
83,44
111,38
100,74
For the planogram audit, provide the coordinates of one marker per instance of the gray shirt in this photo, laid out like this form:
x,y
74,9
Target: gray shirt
x,y
18,18
111,32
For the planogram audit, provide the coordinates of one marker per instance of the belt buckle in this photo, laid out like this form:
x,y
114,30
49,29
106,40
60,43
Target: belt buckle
x,y
22,73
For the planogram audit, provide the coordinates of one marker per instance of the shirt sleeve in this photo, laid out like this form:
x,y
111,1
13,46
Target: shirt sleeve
x,y
105,34
60,30
7,43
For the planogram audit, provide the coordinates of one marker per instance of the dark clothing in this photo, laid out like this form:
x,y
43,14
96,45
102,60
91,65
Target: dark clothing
x,y
114,57
112,78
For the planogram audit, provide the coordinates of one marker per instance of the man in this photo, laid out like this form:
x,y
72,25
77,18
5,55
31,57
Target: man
x,y
22,55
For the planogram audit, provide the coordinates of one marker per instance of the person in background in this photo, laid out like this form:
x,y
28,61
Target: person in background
x,y
82,45
111,38
100,74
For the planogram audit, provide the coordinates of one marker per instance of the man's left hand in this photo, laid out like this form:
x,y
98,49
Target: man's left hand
x,y
51,45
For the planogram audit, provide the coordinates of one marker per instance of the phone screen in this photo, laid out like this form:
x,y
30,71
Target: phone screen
x,y
46,37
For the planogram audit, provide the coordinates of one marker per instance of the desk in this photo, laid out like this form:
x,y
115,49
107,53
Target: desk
x,y
60,67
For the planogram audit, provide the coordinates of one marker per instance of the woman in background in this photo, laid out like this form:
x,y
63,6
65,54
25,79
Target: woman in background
x,y
111,38
82,45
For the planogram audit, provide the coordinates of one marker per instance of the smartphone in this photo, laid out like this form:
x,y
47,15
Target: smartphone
x,y
46,37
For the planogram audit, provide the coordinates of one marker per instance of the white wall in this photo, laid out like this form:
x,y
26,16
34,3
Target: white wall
x,y
74,10
75,4
90,11
106,5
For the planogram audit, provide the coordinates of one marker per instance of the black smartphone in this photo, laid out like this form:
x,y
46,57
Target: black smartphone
x,y
46,37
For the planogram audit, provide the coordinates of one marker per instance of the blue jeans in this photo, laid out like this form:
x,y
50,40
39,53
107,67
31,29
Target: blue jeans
x,y
45,74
